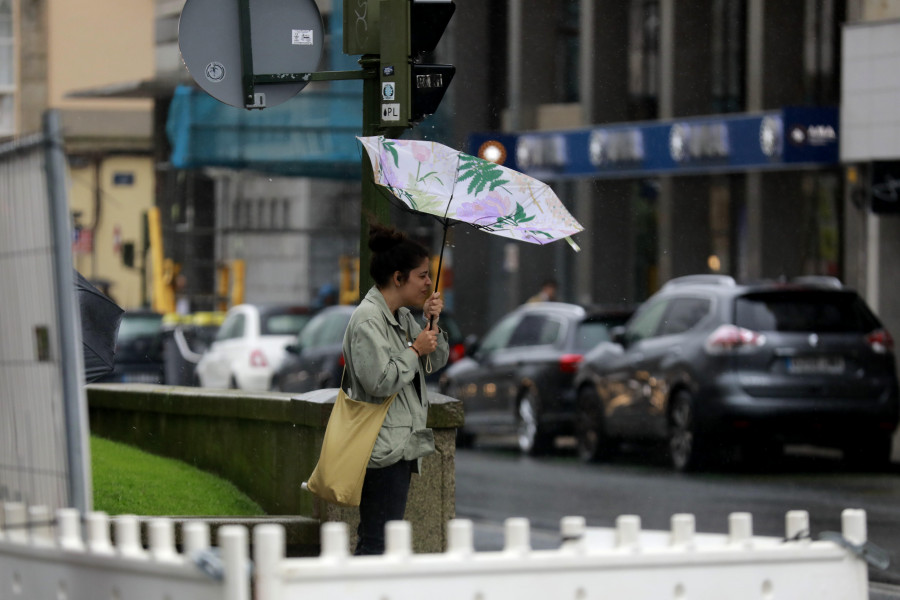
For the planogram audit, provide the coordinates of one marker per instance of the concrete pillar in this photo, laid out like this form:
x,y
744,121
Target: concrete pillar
x,y
665,231
750,266
584,272
530,66
684,48
471,43
603,64
774,79
604,268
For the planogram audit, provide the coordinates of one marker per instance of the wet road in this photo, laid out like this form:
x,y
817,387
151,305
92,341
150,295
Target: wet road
x,y
494,483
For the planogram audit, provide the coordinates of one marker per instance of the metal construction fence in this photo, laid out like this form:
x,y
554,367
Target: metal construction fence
x,y
44,558
43,422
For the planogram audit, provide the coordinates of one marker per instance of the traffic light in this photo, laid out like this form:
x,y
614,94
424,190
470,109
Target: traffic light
x,y
410,91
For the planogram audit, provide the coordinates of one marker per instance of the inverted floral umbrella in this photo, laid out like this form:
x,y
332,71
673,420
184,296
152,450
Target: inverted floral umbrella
x,y
450,185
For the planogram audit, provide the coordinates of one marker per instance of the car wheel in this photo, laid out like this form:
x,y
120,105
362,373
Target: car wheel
x,y
532,440
685,446
590,431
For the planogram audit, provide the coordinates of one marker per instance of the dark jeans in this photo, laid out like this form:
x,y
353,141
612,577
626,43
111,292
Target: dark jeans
x,y
383,499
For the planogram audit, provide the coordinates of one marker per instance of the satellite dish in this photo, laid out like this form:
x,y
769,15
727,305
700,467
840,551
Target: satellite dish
x,y
286,36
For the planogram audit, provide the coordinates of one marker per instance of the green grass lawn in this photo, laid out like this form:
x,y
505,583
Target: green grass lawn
x,y
129,481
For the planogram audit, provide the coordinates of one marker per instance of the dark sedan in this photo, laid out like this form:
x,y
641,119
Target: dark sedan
x,y
139,349
316,361
518,380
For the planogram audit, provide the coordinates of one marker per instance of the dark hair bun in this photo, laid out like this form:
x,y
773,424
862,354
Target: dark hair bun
x,y
382,239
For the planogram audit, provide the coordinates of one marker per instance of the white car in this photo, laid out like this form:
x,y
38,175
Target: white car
x,y
249,346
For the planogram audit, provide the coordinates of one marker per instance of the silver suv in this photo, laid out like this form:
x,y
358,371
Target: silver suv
x,y
710,366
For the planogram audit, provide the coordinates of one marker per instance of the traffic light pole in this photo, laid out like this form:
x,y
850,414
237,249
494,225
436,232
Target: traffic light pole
x,y
372,209
384,75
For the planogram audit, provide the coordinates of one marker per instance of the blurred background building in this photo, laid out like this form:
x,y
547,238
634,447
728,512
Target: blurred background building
x,y
690,136
50,48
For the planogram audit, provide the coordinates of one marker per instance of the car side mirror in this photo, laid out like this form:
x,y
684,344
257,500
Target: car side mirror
x,y
471,344
617,334
292,348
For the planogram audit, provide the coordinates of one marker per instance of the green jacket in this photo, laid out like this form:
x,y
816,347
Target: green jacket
x,y
380,363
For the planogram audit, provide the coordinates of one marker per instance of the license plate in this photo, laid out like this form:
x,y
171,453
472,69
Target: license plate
x,y
828,365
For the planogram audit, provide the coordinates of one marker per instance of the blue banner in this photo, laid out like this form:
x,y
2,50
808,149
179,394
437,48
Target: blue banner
x,y
723,143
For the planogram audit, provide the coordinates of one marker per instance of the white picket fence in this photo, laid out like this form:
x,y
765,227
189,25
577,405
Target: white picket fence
x,y
70,558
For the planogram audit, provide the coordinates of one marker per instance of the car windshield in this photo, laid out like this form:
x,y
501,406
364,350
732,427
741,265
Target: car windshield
x,y
818,311
284,324
326,329
134,326
589,334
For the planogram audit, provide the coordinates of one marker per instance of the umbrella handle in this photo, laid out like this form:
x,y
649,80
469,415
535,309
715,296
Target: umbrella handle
x,y
437,279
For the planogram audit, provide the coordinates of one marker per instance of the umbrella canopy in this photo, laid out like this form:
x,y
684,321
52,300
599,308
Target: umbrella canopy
x,y
100,318
451,185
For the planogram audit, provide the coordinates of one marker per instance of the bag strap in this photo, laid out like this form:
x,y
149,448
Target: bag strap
x,y
344,372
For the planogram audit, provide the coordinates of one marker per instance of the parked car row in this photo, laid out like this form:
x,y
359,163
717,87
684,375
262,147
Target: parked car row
x,y
707,367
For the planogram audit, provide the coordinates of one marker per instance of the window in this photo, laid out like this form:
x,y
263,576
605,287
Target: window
x,y
589,334
821,35
135,326
324,330
499,335
643,58
284,324
728,55
232,328
7,70
567,54
312,334
683,314
334,328
535,330
646,322
839,312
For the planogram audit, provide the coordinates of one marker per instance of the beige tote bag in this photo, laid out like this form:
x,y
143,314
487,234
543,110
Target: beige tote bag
x,y
346,449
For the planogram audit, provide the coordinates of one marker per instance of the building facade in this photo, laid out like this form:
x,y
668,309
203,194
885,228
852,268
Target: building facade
x,y
532,69
51,48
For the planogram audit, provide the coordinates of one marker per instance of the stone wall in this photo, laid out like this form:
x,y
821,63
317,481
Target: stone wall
x,y
267,444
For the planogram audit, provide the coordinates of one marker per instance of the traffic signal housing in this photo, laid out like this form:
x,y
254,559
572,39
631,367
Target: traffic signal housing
x,y
410,90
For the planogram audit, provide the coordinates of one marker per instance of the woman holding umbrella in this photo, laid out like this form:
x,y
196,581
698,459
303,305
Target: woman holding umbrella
x,y
386,352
